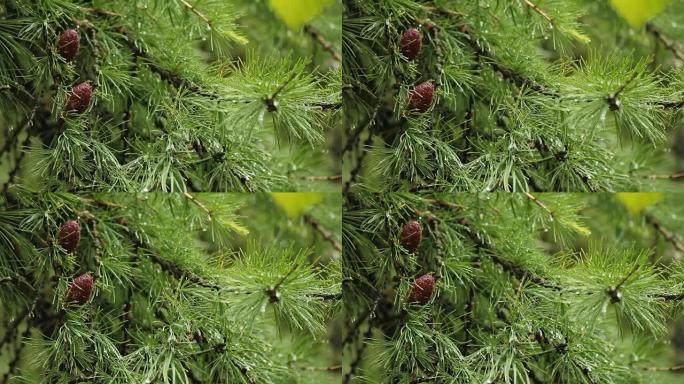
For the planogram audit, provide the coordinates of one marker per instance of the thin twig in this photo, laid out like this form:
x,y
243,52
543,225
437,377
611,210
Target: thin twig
x,y
444,204
510,75
624,279
333,178
181,274
125,322
540,11
284,278
14,363
356,362
196,11
613,102
10,140
198,203
665,369
17,164
443,11
671,104
103,203
170,267
665,177
353,329
468,315
539,203
11,328
671,296
669,44
667,235
614,291
332,368
101,12
272,292
327,235
364,150
325,44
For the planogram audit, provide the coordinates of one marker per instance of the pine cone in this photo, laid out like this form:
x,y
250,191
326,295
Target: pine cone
x,y
68,44
411,235
420,99
421,289
69,235
78,99
411,42
80,289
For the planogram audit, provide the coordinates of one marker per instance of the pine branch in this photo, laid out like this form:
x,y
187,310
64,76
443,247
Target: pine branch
x,y
332,368
665,369
11,139
11,328
22,152
14,363
443,11
190,374
272,292
358,356
101,12
219,349
671,104
126,323
664,40
468,319
198,203
515,270
179,82
327,235
172,269
326,45
512,76
540,11
167,75
353,330
540,204
667,235
196,12
674,176
444,204
614,291
562,348
613,102
179,274
333,178
358,163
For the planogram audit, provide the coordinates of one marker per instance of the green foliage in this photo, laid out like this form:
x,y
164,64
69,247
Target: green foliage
x,y
547,95
544,288
188,95
189,288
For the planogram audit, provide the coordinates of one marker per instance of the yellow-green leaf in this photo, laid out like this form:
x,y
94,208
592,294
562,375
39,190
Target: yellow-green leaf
x,y
296,13
638,12
294,203
638,201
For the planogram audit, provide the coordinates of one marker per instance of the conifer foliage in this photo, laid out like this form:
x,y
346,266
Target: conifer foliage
x,y
171,95
539,95
167,288
514,288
